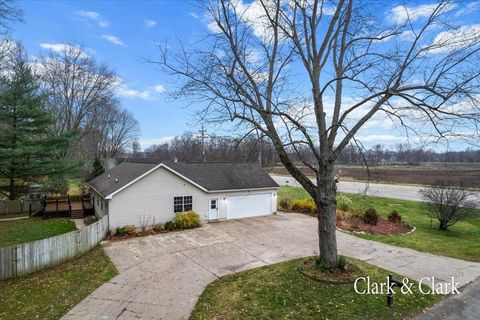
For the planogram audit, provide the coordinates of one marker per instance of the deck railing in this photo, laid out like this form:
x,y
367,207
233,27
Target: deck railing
x,y
25,258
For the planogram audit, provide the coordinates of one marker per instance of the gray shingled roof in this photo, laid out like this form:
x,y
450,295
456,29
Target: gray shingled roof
x,y
213,176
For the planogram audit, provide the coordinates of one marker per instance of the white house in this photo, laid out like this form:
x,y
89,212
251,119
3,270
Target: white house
x,y
144,193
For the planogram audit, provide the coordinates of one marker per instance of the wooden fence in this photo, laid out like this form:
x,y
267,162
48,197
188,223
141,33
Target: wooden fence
x,y
20,206
22,259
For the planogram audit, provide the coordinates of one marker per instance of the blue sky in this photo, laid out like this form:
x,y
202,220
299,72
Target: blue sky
x,y
122,33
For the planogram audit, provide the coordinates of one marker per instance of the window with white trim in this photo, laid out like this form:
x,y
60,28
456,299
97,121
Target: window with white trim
x,y
182,203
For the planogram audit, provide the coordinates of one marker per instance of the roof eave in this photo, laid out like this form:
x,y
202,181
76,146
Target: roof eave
x,y
88,184
245,189
161,165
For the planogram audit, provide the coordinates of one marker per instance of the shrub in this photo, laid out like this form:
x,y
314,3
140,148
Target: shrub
x,y
284,203
344,203
170,226
357,214
370,216
187,220
159,227
131,230
125,231
394,217
343,215
306,206
447,204
120,232
89,220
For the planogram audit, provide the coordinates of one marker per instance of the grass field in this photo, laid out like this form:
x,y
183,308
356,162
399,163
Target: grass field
x,y
49,294
280,292
460,241
31,229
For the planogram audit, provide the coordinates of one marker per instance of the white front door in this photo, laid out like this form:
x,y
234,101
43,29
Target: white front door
x,y
213,209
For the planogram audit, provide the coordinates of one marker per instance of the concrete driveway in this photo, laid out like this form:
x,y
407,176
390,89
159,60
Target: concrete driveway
x,y
162,276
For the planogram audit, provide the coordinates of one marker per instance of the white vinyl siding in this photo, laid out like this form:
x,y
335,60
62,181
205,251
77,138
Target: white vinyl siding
x,y
100,205
152,199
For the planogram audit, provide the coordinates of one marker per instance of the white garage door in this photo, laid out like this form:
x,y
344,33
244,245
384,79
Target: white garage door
x,y
251,205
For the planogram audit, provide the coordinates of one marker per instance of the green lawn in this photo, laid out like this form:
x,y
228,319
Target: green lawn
x,y
460,241
52,293
280,292
30,229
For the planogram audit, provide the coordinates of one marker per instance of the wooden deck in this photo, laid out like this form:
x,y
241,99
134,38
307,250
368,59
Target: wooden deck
x,y
75,210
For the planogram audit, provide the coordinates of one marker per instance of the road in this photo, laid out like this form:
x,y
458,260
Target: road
x,y
394,191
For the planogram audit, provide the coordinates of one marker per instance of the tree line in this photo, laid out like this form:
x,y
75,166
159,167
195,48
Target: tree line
x,y
57,113
188,148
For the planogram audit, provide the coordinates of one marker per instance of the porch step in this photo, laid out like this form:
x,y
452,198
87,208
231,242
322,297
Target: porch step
x,y
77,214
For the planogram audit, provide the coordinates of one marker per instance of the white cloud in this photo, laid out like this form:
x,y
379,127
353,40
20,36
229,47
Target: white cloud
x,y
123,90
213,27
147,142
462,37
402,14
379,138
94,16
150,23
113,39
159,88
69,49
194,15
469,8
252,14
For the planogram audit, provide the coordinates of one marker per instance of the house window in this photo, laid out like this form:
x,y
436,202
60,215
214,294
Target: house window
x,y
183,203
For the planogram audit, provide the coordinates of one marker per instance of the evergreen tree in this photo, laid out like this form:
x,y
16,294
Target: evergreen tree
x,y
28,147
98,168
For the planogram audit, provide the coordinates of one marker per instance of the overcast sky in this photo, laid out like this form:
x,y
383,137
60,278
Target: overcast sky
x,y
123,33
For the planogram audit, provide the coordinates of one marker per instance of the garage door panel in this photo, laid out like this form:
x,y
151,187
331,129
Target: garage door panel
x,y
251,205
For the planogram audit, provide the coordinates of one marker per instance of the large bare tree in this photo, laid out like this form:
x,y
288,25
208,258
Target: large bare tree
x,y
9,14
118,130
310,74
77,87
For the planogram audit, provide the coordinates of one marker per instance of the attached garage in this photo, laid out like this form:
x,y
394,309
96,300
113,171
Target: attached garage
x,y
249,205
133,193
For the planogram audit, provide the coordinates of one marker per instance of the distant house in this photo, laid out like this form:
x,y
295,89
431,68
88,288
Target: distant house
x,y
133,193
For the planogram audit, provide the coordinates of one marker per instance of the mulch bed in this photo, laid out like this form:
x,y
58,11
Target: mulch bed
x,y
383,227
334,276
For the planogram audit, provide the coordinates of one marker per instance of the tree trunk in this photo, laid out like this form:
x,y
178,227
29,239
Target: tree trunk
x,y
443,225
326,212
11,189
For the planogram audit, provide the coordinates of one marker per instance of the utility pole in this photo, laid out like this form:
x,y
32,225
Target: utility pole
x,y
260,141
202,134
